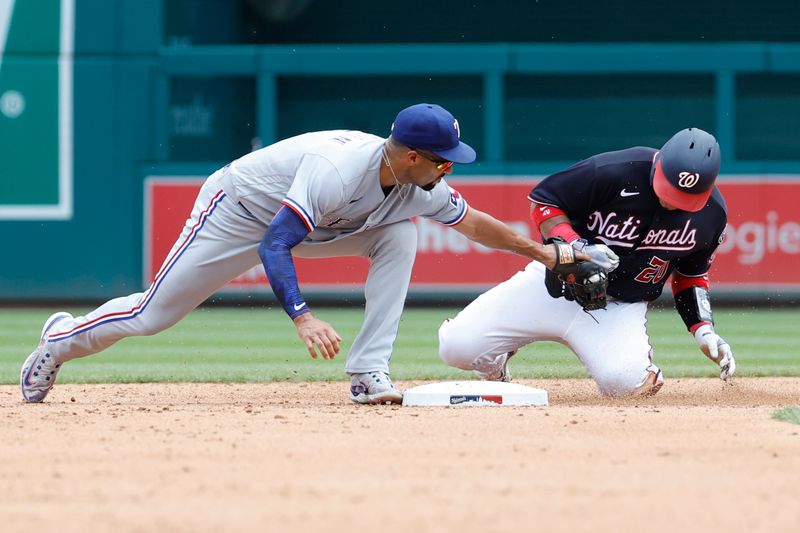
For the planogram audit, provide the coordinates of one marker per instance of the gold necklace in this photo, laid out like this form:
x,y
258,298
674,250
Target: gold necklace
x,y
399,185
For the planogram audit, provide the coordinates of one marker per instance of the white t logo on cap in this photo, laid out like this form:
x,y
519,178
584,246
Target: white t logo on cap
x,y
687,180
455,125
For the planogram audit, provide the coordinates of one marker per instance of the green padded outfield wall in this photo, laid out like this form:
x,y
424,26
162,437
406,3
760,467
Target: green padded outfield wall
x,y
96,94
37,179
478,21
72,137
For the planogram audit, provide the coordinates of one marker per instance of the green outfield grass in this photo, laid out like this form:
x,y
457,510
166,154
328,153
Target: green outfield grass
x,y
246,345
790,414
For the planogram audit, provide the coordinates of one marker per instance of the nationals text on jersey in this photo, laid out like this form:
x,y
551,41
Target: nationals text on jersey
x,y
675,239
611,231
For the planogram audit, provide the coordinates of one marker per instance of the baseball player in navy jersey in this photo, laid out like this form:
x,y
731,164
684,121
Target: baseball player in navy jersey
x,y
644,215
322,194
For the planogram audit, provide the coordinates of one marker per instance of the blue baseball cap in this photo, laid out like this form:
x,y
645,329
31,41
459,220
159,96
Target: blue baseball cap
x,y
433,128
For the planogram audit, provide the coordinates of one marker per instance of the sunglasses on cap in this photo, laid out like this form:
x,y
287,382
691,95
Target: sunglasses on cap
x,y
442,165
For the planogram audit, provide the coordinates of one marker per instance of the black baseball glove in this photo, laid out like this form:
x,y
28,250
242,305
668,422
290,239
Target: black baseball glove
x,y
582,281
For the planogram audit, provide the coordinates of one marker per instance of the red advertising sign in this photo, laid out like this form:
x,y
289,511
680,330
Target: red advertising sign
x,y
762,240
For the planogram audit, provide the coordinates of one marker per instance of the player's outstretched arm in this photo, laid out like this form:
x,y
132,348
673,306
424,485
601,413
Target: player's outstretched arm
x,y
487,230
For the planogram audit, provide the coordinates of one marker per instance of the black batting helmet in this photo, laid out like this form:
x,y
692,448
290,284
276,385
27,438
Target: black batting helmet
x,y
685,169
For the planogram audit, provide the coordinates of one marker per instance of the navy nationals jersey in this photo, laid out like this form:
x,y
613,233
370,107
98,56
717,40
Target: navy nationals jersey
x,y
609,199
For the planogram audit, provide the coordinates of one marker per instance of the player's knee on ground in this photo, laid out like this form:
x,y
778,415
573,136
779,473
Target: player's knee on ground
x,y
456,348
622,383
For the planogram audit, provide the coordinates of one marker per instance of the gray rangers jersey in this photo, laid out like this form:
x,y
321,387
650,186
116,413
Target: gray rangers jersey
x,y
331,180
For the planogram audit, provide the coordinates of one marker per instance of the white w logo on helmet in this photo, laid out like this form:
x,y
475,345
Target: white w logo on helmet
x,y
456,126
687,180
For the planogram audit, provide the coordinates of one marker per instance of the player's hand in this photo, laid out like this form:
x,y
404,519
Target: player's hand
x,y
716,349
317,334
600,254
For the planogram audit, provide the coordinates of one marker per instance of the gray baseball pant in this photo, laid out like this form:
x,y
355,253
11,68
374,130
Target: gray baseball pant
x,y
218,243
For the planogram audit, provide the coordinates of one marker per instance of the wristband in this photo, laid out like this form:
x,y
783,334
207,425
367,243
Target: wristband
x,y
542,212
564,231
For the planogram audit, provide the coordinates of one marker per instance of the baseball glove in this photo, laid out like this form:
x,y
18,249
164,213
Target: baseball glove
x,y
582,281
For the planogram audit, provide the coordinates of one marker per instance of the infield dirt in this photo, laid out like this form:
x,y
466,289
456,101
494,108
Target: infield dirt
x,y
699,456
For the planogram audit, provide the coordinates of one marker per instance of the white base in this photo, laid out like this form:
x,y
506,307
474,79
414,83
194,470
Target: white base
x,y
474,393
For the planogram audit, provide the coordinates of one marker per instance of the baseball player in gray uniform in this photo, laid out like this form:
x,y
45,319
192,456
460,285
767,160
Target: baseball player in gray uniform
x,y
322,194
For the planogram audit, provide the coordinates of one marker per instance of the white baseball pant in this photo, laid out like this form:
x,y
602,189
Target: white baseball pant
x,y
615,349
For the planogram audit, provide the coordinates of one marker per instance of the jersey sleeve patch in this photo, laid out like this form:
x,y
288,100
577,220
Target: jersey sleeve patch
x,y
544,212
459,218
457,202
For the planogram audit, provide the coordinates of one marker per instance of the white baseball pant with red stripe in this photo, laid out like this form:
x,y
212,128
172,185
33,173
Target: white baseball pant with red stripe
x,y
218,243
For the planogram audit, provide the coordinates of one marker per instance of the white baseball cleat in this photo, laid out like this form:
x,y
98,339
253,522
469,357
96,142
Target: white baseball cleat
x,y
374,388
504,374
39,370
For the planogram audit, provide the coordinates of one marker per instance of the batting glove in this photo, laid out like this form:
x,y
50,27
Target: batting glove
x,y
600,254
716,349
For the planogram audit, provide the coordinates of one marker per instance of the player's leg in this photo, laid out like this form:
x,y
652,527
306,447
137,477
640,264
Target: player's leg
x,y
503,319
391,250
219,241
616,350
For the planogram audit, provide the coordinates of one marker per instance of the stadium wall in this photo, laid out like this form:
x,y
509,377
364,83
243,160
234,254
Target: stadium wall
x,y
97,96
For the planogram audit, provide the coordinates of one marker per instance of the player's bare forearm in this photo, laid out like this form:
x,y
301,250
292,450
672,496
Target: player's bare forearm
x,y
487,230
